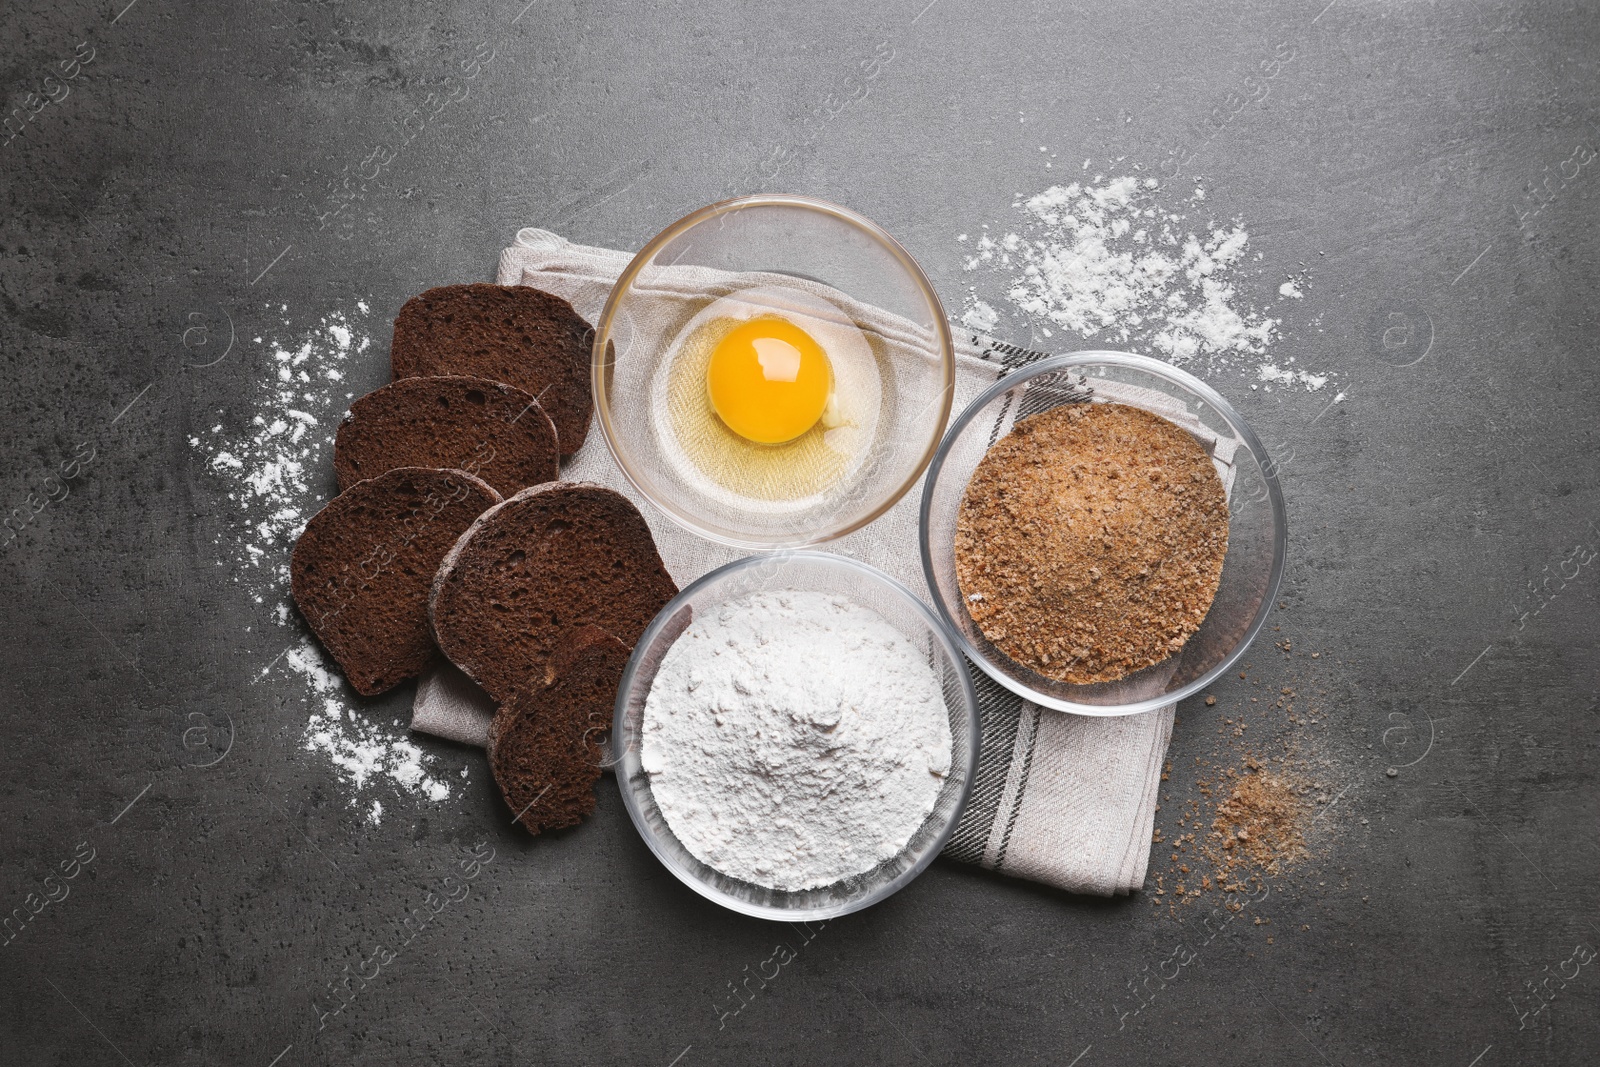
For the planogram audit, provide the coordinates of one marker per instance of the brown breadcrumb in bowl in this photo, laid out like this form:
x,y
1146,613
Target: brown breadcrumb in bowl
x,y
1090,541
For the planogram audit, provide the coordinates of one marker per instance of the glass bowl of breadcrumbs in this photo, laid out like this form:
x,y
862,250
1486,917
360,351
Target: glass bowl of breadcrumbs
x,y
1103,533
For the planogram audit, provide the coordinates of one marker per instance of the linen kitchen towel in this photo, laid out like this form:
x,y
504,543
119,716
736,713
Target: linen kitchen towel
x,y
1062,799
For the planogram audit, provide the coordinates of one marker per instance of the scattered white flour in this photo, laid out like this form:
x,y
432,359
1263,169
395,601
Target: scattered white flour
x,y
1290,289
981,316
275,470
274,473
1271,372
1104,259
358,747
795,739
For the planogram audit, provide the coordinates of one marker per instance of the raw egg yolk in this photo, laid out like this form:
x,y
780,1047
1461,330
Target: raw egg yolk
x,y
769,381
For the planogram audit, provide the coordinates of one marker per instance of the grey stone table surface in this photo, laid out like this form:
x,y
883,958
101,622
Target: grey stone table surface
x,y
1423,170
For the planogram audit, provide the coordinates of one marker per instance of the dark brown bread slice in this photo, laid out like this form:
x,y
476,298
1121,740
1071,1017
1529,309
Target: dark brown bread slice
x,y
544,743
490,429
507,333
550,558
362,569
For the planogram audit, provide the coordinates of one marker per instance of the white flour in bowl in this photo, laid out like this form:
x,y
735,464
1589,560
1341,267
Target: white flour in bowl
x,y
794,739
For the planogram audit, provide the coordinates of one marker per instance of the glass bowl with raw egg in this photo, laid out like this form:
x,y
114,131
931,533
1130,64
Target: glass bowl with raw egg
x,y
1178,619
773,371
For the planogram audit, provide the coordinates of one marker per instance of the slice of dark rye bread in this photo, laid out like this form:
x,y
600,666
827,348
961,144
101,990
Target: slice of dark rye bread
x,y
508,333
544,743
550,558
362,570
493,430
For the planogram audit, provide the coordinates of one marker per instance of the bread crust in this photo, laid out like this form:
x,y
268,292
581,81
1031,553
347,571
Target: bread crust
x,y
515,334
489,429
361,572
545,742
551,557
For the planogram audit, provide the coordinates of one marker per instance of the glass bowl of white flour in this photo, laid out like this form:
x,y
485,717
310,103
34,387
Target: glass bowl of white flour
x,y
796,736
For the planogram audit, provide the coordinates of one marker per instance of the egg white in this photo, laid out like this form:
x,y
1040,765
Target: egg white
x,y
850,419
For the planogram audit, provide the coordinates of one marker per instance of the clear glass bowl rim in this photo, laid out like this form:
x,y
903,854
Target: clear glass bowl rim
x,y
1097,357
602,337
969,696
